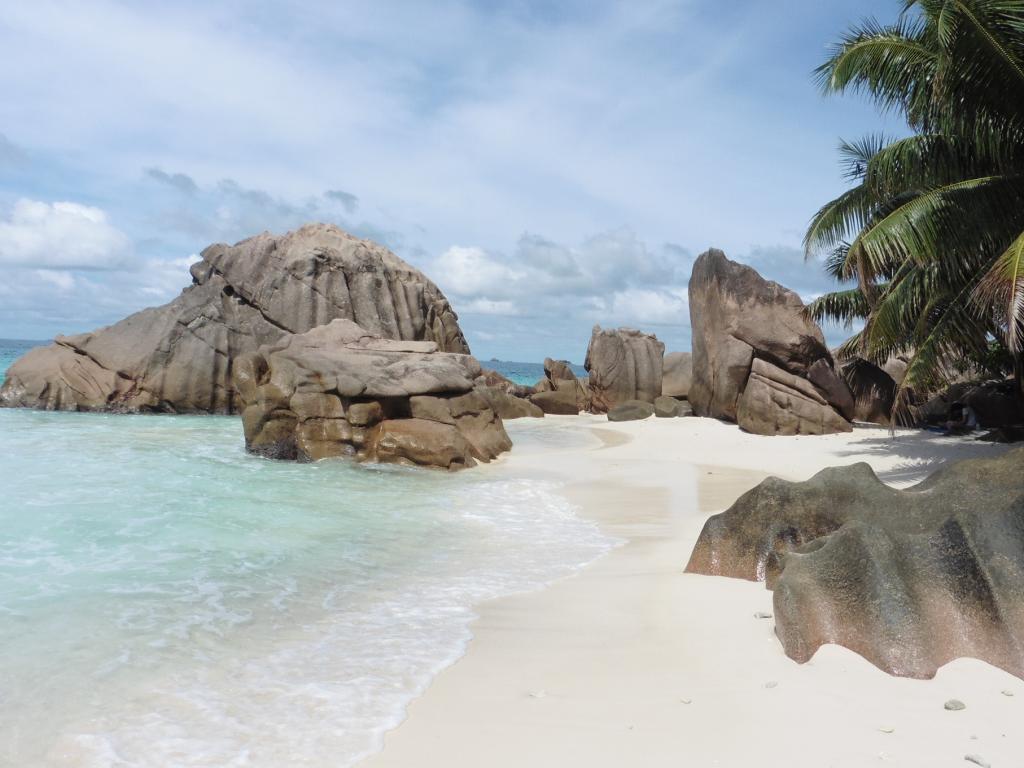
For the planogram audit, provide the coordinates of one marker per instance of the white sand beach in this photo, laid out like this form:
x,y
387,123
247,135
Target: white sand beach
x,y
631,662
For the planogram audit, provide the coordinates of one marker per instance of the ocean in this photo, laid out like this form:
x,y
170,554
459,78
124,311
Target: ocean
x,y
168,600
525,373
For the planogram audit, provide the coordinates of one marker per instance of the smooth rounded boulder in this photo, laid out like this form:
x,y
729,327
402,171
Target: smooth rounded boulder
x,y
666,407
631,410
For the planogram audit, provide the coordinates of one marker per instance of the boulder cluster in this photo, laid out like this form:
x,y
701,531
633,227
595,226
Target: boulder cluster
x,y
909,579
329,346
338,390
626,379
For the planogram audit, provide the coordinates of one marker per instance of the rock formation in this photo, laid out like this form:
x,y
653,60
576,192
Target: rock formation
x,y
509,406
562,402
561,392
775,402
739,318
179,357
495,380
624,364
995,404
338,390
677,373
910,579
873,389
666,407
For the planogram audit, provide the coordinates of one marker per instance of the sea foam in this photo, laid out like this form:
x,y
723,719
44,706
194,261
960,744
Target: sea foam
x,y
169,600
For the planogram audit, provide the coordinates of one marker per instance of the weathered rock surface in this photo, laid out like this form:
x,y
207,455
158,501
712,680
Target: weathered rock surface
x,y
738,317
677,373
667,407
560,378
910,579
338,390
558,370
624,364
873,389
775,402
631,410
557,403
995,404
179,357
509,406
495,380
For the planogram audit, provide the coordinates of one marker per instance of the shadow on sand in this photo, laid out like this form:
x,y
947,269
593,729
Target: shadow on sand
x,y
920,452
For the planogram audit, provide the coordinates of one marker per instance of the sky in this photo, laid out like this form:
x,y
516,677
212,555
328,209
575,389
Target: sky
x,y
551,165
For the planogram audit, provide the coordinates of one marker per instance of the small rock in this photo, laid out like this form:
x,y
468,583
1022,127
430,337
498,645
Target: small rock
x,y
977,761
631,410
538,694
666,407
771,684
762,615
1008,693
955,705
686,701
887,730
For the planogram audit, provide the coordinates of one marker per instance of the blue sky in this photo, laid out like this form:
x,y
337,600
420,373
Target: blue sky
x,y
551,165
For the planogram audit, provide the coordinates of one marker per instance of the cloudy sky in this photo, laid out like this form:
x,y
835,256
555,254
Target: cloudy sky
x,y
550,164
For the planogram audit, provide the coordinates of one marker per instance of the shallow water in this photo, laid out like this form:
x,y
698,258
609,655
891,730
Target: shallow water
x,y
166,599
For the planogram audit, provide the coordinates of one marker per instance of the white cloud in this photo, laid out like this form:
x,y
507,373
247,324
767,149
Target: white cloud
x,y
61,235
651,306
541,277
470,272
59,279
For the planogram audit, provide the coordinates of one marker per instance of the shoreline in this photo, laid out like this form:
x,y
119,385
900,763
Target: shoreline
x,y
632,662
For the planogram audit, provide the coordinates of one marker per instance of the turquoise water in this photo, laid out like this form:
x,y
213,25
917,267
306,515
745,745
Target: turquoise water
x,y
168,600
524,373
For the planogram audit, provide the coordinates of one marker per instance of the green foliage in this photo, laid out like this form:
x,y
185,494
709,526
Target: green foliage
x,y
932,230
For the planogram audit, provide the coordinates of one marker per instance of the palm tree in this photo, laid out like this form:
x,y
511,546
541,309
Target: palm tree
x,y
932,230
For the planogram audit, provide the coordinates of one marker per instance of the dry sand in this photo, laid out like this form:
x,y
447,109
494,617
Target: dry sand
x,y
631,662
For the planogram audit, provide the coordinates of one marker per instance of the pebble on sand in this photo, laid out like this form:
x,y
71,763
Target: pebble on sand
x,y
977,761
955,705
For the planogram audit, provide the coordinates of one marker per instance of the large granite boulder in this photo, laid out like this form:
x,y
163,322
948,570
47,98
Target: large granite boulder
x,y
339,390
179,357
677,373
910,579
775,402
874,391
738,317
624,364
